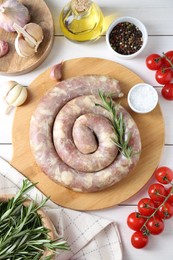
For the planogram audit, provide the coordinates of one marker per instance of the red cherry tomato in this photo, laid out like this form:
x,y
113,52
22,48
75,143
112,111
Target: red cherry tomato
x,y
169,57
154,61
139,240
155,225
146,206
165,211
157,192
170,193
164,175
167,91
163,75
135,221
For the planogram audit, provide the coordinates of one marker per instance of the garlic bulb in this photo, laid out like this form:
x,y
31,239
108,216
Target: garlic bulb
x,y
28,39
11,11
14,94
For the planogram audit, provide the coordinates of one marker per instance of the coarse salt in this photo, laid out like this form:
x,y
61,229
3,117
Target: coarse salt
x,y
143,98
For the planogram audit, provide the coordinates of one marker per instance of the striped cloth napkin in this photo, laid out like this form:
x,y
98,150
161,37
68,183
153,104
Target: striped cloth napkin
x,y
90,237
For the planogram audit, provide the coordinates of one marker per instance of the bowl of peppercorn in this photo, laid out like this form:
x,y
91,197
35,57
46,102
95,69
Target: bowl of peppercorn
x,y
126,37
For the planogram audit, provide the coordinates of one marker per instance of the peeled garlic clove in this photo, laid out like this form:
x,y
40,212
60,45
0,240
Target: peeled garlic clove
x,y
23,48
4,48
56,72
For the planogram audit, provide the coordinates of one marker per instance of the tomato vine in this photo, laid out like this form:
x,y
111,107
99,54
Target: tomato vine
x,y
153,211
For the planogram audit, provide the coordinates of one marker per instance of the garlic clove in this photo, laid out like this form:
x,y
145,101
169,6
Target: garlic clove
x,y
22,32
56,72
4,48
23,48
21,98
8,109
35,31
7,86
13,94
32,34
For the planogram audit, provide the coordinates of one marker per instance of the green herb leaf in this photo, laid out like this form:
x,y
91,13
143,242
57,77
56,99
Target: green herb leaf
x,y
22,235
117,120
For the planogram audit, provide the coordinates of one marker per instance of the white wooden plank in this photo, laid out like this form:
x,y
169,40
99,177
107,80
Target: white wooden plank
x,y
167,110
6,152
145,11
157,247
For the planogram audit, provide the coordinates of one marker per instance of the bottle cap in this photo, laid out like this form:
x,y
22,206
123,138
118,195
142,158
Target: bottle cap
x,y
80,5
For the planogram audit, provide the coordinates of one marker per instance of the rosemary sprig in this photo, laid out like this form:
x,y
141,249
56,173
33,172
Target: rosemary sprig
x,y
22,235
117,119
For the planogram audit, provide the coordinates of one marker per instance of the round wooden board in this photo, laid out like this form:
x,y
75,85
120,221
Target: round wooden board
x,y
12,63
151,127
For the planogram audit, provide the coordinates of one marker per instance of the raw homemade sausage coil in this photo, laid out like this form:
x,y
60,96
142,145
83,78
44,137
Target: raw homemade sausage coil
x,y
72,138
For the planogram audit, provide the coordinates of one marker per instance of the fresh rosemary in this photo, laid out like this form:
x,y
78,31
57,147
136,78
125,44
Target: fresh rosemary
x,y
22,234
117,120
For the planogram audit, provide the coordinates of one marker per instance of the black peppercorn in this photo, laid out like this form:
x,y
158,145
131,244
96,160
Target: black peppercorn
x,y
126,38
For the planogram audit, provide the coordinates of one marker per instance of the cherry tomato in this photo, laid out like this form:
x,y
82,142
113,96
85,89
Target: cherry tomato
x,y
170,192
154,61
163,75
146,206
164,175
169,57
167,91
139,240
157,192
165,211
135,221
155,225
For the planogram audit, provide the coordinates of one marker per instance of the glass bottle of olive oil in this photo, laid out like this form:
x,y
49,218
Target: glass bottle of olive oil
x,y
81,21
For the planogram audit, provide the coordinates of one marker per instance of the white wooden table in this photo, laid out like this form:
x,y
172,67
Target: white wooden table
x,y
157,15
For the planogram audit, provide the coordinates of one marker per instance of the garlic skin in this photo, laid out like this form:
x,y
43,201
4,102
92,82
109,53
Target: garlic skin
x,y
4,48
56,72
11,11
36,32
22,47
14,94
28,39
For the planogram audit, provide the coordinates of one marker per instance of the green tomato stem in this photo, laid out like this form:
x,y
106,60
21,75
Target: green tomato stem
x,y
170,62
153,214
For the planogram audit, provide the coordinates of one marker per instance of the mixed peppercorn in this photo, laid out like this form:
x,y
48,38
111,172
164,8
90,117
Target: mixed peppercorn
x,y
126,38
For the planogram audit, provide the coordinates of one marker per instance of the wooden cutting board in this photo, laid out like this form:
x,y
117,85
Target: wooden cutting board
x,y
12,63
151,127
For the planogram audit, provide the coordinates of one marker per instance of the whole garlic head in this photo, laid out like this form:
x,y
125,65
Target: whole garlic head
x,y
28,39
11,11
14,94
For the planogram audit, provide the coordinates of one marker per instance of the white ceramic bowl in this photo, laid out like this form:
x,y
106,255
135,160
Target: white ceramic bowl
x,y
138,24
142,98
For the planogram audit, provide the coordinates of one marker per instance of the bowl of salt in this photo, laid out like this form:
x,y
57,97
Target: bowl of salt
x,y
142,98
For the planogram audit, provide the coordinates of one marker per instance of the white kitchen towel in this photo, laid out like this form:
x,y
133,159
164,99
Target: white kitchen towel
x,y
90,237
